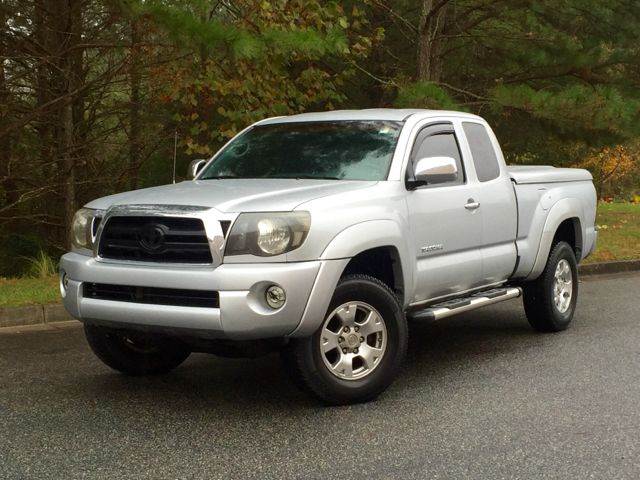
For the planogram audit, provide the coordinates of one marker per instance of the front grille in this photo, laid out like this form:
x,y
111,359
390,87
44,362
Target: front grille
x,y
150,295
155,239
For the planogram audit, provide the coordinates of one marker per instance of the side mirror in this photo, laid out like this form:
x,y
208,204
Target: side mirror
x,y
194,168
435,170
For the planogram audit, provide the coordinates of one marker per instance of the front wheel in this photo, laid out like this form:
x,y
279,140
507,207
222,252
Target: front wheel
x,y
134,353
550,300
358,349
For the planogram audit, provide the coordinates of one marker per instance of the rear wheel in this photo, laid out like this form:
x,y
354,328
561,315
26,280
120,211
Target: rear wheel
x,y
550,300
358,349
134,353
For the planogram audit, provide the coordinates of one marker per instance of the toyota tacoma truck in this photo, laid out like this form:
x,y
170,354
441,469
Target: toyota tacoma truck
x,y
320,235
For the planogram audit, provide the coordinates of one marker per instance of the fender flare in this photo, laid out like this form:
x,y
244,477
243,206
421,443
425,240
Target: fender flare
x,y
372,234
562,210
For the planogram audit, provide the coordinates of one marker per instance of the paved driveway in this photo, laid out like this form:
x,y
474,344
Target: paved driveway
x,y
482,396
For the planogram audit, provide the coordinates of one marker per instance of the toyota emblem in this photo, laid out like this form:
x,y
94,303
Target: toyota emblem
x,y
151,237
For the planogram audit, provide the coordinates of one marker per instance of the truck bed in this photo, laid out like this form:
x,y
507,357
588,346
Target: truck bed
x,y
546,196
522,174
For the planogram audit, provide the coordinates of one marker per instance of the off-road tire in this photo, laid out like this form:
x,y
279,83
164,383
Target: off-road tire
x,y
538,299
302,357
151,355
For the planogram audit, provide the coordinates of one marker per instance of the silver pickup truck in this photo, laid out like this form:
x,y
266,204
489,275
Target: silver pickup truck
x,y
319,235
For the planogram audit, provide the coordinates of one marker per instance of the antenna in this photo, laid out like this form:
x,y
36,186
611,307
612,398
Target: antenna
x,y
175,152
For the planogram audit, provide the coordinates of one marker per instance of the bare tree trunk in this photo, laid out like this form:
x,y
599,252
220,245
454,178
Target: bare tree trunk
x,y
69,169
6,178
72,74
134,107
430,29
43,81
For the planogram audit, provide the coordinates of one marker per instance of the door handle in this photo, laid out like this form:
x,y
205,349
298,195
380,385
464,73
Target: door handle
x,y
472,204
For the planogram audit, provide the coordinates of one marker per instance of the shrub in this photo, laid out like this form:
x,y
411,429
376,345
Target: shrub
x,y
615,171
42,266
15,250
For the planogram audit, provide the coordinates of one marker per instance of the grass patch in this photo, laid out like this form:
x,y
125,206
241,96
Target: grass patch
x,y
16,292
618,239
619,234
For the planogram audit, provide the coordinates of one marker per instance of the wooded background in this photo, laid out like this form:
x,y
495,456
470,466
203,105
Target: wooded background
x,y
93,92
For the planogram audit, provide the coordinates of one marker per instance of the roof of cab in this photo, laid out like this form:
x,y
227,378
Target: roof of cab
x,y
389,114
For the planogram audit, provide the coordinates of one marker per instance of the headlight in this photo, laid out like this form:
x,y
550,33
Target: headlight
x,y
84,226
267,234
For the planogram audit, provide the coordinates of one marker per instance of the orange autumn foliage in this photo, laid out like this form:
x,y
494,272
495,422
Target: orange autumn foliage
x,y
614,169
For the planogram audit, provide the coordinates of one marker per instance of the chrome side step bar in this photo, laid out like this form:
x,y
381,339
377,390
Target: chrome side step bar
x,y
465,304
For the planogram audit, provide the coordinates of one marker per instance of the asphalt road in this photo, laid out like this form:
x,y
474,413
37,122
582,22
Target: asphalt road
x,y
482,396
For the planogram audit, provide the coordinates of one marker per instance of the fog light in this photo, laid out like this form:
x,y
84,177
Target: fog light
x,y
275,296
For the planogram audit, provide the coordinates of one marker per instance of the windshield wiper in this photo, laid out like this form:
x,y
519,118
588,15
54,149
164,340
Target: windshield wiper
x,y
315,177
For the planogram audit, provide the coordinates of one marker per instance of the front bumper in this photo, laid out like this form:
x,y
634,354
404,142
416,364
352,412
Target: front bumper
x,y
242,314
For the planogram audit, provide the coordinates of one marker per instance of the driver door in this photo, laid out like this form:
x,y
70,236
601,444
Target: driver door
x,y
446,230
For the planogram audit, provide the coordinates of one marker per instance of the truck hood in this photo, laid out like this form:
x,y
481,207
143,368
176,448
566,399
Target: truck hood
x,y
234,195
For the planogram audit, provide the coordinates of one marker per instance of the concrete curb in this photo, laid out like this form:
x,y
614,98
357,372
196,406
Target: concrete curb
x,y
33,315
603,268
55,312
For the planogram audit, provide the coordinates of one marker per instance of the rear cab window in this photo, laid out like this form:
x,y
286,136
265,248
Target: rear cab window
x,y
483,152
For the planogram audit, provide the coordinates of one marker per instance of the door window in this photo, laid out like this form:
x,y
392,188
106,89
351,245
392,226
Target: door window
x,y
438,141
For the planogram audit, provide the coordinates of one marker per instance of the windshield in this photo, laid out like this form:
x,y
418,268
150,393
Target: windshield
x,y
345,150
